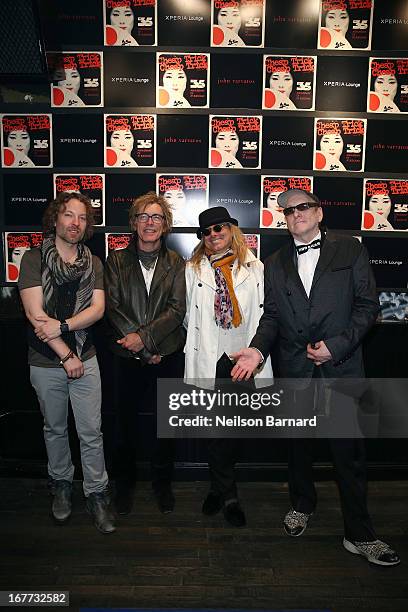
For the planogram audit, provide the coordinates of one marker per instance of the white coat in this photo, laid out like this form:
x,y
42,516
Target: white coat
x,y
202,331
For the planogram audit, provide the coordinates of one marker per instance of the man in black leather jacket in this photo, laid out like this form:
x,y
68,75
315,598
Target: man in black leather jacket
x,y
145,308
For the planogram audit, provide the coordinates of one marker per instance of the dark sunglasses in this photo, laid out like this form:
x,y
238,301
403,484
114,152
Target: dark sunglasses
x,y
215,228
301,207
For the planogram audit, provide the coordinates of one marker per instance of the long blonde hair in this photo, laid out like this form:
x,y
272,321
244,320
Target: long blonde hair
x,y
238,247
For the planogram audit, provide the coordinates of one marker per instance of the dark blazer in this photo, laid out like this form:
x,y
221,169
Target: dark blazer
x,y
341,308
157,317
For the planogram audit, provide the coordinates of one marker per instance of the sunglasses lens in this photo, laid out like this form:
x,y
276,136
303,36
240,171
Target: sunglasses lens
x,y
301,207
214,228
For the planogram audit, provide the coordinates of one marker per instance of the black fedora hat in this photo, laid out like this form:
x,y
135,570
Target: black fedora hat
x,y
212,216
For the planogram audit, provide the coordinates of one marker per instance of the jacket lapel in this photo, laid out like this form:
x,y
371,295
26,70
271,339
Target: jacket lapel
x,y
288,258
206,274
161,270
133,250
327,252
241,273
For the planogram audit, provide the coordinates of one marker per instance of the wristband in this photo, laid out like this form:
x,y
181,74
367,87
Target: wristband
x,y
68,356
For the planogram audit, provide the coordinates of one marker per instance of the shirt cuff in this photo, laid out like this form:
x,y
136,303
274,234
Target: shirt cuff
x,y
261,356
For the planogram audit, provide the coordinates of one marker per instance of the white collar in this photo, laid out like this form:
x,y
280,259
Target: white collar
x,y
317,237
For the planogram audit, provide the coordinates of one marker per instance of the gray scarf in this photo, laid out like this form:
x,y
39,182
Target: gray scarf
x,y
55,271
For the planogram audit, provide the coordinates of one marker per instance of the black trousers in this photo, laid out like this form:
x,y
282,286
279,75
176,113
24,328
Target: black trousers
x,y
223,453
348,456
136,393
350,467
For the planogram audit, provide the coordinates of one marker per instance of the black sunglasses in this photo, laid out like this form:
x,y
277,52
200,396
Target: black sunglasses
x,y
301,207
215,228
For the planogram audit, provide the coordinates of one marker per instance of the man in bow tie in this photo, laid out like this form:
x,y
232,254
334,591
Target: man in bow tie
x,y
320,301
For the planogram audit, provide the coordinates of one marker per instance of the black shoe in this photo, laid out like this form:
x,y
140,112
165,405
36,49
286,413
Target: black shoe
x,y
212,504
124,500
61,505
234,514
165,499
97,505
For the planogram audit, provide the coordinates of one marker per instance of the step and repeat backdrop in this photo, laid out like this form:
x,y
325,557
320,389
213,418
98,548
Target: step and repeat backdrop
x,y
216,102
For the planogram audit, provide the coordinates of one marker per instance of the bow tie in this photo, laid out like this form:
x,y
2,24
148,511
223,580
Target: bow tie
x,y
303,248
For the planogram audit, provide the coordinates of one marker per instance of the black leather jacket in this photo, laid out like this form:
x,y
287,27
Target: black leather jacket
x,y
157,317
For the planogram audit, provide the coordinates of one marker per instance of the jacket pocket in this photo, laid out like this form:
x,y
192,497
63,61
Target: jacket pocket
x,y
342,268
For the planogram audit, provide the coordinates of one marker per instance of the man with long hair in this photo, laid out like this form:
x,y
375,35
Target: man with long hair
x,y
224,285
61,287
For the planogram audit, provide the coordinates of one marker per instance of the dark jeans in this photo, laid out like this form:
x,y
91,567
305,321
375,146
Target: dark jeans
x,y
136,394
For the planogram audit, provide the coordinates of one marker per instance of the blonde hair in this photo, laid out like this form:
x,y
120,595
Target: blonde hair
x,y
140,204
238,247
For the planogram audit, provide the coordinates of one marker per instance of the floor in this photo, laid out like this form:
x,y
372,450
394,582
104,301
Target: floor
x,y
187,560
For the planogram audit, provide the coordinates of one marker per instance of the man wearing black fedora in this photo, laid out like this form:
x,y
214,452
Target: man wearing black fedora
x,y
224,289
320,301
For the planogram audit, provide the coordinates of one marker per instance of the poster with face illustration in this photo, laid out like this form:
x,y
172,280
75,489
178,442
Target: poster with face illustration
x,y
76,79
253,242
388,85
15,245
271,186
235,142
187,195
91,185
130,141
182,80
289,82
237,23
339,145
345,24
26,141
130,23
385,205
116,241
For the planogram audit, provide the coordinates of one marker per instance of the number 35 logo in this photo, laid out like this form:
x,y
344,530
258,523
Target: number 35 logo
x,y
253,22
353,148
145,22
360,24
144,144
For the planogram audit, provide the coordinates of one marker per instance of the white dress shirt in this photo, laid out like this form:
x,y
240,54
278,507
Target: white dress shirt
x,y
307,263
